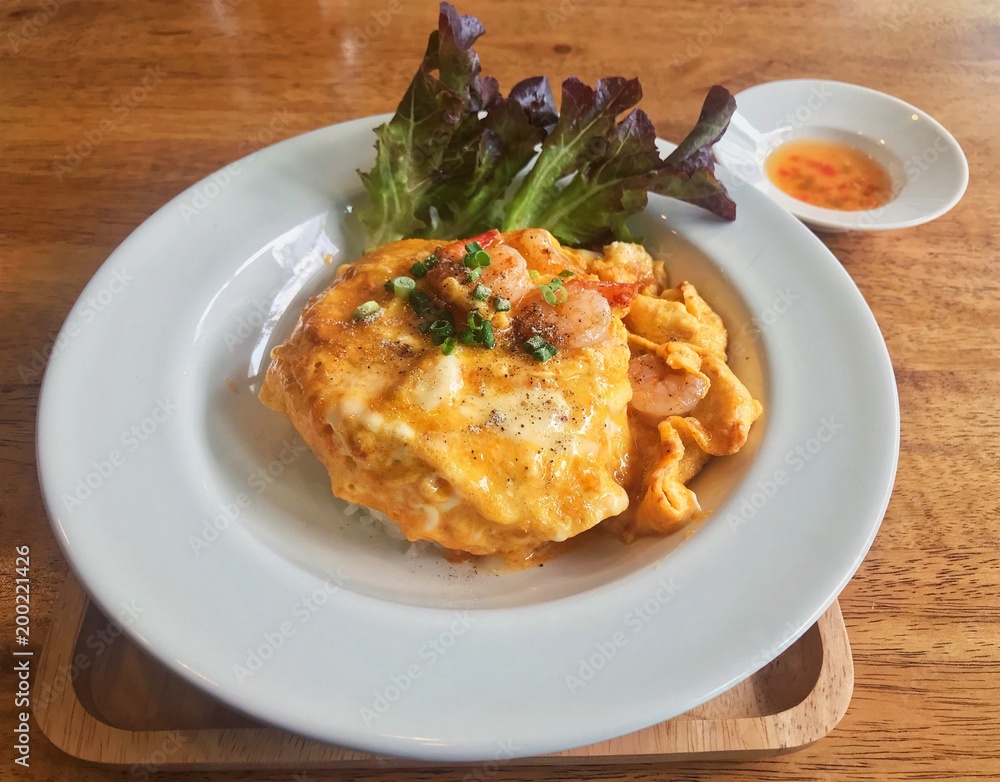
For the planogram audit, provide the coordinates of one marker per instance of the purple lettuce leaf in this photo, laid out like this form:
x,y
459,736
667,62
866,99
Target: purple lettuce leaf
x,y
587,120
612,185
688,173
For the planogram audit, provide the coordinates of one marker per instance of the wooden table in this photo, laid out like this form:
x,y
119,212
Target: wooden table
x,y
110,109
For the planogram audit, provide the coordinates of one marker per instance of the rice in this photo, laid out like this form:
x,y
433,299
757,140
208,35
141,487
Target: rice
x,y
373,518
378,521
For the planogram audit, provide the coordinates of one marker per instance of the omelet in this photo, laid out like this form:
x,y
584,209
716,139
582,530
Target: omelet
x,y
482,393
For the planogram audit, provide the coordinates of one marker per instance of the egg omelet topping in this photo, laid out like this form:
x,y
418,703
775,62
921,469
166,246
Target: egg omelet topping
x,y
502,394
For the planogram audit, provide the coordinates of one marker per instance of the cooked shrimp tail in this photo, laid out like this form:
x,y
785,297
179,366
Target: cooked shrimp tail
x,y
618,294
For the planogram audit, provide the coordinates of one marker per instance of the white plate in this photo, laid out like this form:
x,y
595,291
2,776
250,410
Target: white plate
x,y
928,169
151,441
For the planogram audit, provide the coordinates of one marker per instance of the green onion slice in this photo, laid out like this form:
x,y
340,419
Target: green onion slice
x,y
475,256
366,310
421,303
481,292
440,330
489,339
401,287
539,349
554,292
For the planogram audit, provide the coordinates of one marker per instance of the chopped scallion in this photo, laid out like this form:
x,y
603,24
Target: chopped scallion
x,y
366,310
475,256
440,330
421,303
481,292
554,292
539,349
401,287
489,339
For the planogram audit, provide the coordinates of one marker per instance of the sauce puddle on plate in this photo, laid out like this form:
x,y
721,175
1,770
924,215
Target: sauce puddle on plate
x,y
829,175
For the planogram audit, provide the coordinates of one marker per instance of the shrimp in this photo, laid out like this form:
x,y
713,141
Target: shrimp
x,y
506,276
581,320
543,252
659,391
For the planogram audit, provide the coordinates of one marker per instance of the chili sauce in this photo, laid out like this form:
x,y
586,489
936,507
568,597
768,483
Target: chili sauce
x,y
829,175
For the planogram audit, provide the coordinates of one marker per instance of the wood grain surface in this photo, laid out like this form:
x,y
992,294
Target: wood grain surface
x,y
109,109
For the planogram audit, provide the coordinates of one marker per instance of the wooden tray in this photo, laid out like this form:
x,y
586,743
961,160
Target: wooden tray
x,y
100,698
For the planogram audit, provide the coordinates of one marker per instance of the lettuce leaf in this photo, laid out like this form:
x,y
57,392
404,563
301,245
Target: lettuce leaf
x,y
441,169
488,158
582,134
594,206
447,159
612,179
688,173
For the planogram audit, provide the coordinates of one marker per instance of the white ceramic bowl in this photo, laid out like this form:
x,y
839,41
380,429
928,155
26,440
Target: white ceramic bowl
x,y
928,169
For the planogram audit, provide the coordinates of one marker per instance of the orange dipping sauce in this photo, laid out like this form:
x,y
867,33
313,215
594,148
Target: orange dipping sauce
x,y
829,175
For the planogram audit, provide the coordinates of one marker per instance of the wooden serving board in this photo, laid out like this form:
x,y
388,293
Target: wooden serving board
x,y
100,698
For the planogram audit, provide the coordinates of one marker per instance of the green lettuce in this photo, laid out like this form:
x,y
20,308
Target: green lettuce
x,y
447,159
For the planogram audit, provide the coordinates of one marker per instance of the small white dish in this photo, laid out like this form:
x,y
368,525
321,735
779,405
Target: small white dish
x,y
928,169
